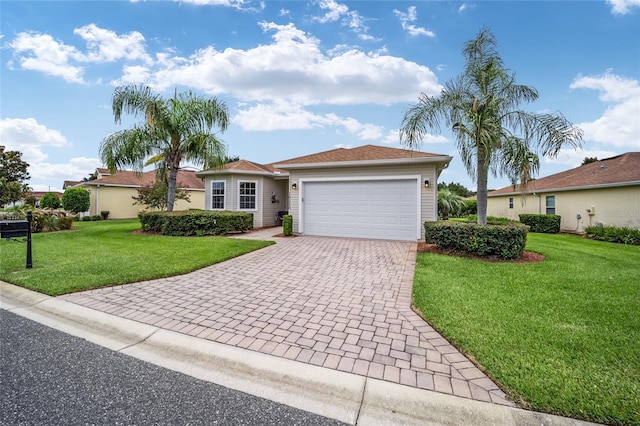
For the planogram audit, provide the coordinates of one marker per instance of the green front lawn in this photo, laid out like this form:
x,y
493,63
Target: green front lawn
x,y
561,336
105,253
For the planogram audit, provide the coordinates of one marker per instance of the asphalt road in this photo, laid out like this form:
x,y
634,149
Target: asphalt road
x,y
51,378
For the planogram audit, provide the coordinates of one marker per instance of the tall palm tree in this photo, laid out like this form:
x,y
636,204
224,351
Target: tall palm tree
x,y
174,130
481,106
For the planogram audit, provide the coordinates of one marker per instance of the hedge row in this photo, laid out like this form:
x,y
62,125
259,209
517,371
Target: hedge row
x,y
614,234
196,222
503,241
541,223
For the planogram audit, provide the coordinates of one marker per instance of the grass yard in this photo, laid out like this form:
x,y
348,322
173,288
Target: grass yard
x,y
105,253
561,336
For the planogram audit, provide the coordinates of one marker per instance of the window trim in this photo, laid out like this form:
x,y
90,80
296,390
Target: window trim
x,y
547,207
255,182
223,195
511,203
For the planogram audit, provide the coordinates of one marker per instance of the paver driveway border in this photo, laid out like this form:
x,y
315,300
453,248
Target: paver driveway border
x,y
337,303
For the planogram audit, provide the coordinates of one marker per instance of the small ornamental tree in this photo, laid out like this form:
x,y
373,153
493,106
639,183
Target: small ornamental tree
x,y
76,200
156,195
49,201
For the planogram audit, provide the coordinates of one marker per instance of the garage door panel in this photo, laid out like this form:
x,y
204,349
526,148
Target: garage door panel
x,y
385,209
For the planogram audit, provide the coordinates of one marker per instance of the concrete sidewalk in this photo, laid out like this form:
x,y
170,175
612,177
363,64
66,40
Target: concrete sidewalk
x,y
351,398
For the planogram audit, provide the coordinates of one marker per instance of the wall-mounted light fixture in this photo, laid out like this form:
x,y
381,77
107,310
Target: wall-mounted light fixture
x,y
294,186
426,183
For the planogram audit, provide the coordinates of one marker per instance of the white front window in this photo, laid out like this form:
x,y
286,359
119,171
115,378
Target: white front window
x,y
247,195
217,194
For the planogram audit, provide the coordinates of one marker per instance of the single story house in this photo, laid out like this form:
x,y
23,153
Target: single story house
x,y
114,192
605,192
364,192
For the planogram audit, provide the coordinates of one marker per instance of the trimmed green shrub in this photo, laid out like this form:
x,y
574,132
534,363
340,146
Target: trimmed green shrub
x,y
104,214
541,223
196,222
49,201
76,200
614,234
503,241
287,225
491,220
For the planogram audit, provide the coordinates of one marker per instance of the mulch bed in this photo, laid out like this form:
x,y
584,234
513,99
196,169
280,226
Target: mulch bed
x,y
527,256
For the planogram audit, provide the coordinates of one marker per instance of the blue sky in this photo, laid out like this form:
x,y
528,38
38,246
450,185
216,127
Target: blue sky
x,y
301,77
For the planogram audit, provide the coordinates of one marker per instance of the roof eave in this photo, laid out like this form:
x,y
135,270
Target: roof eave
x,y
569,188
444,159
213,172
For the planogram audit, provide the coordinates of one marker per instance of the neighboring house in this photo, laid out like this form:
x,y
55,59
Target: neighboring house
x,y
606,192
113,193
364,192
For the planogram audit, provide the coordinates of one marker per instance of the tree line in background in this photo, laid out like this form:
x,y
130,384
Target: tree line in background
x,y
13,177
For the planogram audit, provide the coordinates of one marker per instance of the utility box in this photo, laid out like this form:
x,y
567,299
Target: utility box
x,y
591,210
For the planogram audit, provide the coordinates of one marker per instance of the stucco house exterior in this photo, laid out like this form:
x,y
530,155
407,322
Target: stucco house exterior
x,y
365,192
606,192
113,193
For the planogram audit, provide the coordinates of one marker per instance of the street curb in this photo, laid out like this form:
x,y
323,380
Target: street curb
x,y
347,397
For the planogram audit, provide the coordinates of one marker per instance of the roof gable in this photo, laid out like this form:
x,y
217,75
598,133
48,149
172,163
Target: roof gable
x,y
186,179
621,169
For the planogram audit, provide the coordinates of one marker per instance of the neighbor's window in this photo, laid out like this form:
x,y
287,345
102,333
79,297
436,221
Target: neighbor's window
x,y
510,202
217,195
551,204
247,193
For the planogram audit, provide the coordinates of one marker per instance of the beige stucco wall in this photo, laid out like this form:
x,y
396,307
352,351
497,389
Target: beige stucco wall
x,y
428,202
119,202
615,206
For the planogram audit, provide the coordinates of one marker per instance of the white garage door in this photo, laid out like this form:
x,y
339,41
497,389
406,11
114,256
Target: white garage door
x,y
381,209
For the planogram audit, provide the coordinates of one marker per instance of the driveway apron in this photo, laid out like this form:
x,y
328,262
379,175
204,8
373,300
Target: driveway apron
x,y
339,303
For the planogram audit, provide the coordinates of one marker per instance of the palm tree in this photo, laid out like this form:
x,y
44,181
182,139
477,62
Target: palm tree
x,y
173,130
481,106
449,202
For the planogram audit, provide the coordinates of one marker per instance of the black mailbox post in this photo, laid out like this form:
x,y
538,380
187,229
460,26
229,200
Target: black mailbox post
x,y
12,229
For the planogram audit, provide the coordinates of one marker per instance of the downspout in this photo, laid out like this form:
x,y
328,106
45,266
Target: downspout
x,y
539,203
97,199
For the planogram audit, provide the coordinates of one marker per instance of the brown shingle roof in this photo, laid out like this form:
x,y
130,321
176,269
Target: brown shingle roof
x,y
361,153
610,171
69,183
186,179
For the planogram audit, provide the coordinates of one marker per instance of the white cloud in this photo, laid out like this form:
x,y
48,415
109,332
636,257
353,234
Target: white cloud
x,y
32,139
294,68
40,52
107,46
246,5
622,7
574,158
334,11
292,116
393,137
619,125
340,12
29,137
56,173
411,16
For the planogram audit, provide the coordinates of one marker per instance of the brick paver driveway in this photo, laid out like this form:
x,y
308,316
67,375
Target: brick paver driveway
x,y
339,303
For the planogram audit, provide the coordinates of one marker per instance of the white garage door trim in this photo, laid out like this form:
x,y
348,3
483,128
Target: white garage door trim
x,y
417,178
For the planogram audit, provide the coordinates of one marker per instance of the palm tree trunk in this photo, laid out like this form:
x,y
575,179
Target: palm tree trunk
x,y
483,176
171,196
